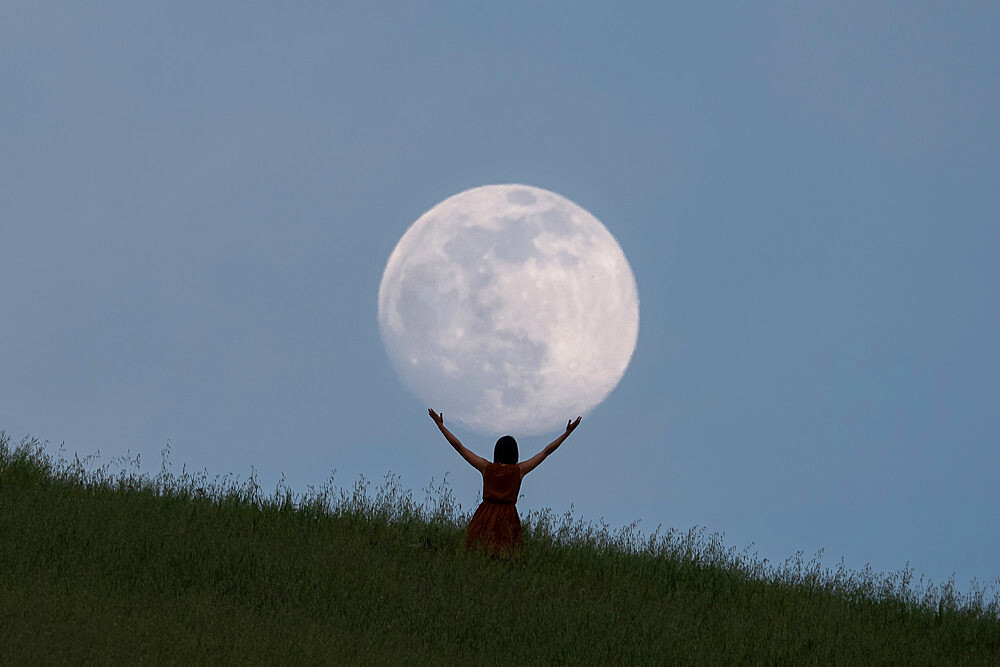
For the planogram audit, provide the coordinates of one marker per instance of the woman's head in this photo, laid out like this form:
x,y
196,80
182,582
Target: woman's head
x,y
505,450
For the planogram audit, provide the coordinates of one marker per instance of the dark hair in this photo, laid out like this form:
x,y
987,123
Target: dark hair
x,y
505,450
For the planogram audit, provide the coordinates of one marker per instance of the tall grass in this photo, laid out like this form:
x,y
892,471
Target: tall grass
x,y
101,562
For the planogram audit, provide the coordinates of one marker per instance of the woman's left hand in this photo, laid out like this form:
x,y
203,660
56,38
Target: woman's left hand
x,y
438,419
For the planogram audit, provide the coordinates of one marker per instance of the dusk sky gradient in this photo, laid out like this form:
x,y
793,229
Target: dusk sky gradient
x,y
197,201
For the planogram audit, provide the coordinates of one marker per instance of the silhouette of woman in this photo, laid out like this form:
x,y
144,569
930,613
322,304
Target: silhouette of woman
x,y
496,527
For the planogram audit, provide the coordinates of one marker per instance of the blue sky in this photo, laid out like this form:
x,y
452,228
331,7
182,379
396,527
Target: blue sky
x,y
197,201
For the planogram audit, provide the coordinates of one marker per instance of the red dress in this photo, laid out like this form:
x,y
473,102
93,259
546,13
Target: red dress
x,y
496,526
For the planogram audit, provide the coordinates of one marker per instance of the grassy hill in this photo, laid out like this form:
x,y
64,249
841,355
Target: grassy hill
x,y
113,566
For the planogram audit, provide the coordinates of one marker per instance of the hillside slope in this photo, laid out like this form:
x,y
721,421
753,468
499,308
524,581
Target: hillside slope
x,y
116,568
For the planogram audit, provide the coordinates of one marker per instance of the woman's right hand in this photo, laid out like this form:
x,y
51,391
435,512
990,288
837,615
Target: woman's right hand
x,y
570,425
439,419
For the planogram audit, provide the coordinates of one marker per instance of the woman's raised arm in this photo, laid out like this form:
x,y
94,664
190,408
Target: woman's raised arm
x,y
532,463
477,462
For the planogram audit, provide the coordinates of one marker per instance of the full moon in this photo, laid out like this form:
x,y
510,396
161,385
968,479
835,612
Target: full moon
x,y
510,309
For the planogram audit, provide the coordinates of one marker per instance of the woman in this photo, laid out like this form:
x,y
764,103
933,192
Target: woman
x,y
495,526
